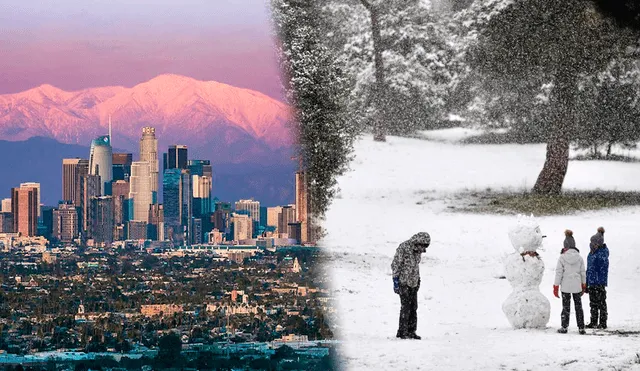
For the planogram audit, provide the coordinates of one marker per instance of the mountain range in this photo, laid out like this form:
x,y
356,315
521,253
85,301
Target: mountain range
x,y
240,130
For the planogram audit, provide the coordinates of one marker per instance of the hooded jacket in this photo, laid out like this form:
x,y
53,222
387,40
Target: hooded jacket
x,y
598,266
406,262
570,272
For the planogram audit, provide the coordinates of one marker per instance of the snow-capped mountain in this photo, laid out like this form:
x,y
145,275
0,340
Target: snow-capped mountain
x,y
239,123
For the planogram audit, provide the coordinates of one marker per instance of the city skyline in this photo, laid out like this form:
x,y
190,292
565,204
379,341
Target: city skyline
x,y
125,207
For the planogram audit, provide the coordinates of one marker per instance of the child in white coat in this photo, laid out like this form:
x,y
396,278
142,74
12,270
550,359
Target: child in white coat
x,y
571,280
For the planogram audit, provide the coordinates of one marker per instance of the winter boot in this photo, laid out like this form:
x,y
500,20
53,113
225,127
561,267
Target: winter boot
x,y
582,331
414,336
592,324
602,326
562,330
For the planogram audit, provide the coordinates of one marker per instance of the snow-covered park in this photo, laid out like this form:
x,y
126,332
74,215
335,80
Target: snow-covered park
x,y
404,186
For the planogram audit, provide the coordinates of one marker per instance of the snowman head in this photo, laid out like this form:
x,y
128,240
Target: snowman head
x,y
525,235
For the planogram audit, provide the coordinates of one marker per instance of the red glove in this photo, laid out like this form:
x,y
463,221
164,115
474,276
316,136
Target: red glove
x,y
584,288
555,291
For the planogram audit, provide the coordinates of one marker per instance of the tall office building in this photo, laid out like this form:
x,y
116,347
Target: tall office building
x,y
286,216
176,157
242,227
302,207
272,216
121,166
6,205
294,232
6,222
149,153
101,162
197,235
45,229
155,230
102,220
120,192
221,218
65,222
36,186
201,195
140,193
252,207
24,209
200,167
177,196
72,170
137,230
89,188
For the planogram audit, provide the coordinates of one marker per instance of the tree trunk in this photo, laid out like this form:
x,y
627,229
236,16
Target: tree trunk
x,y
609,150
379,125
557,160
555,166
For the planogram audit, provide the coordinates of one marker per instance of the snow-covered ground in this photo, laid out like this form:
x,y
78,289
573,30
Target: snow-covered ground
x,y
400,187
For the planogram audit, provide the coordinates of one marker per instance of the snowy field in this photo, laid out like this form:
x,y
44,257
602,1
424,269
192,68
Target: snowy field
x,y
400,187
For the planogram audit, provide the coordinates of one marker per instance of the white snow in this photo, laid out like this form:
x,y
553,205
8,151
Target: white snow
x,y
403,186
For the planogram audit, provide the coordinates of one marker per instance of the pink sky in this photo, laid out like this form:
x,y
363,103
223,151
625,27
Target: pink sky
x,y
124,42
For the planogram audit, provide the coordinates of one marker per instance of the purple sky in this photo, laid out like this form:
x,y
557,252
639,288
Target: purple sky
x,y
78,44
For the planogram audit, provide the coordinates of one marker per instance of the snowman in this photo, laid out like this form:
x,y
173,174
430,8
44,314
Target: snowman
x,y
526,307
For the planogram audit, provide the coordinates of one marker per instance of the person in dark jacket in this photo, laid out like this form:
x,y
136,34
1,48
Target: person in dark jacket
x,y
597,279
406,282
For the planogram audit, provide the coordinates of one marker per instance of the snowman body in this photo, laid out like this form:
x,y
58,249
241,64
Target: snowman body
x,y
526,307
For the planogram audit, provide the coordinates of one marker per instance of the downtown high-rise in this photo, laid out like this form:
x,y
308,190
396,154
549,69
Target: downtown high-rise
x,y
176,157
24,208
101,162
177,195
140,193
72,170
149,153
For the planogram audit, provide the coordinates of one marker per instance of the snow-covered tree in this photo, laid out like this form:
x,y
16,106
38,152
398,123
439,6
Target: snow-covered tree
x,y
397,55
557,41
317,90
609,108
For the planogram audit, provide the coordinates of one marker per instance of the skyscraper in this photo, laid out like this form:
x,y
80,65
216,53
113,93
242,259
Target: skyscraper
x,y
201,195
121,166
200,167
140,193
156,222
272,216
242,227
120,191
101,161
36,186
65,222
286,216
252,207
72,170
176,157
102,220
177,196
24,209
302,207
6,222
89,188
149,153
